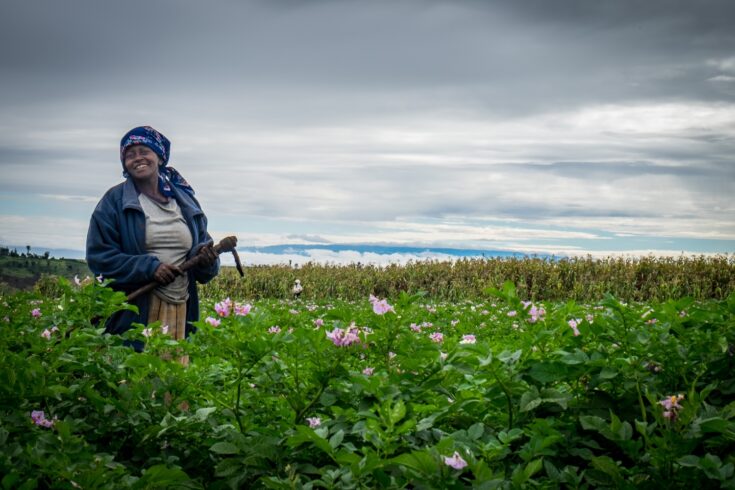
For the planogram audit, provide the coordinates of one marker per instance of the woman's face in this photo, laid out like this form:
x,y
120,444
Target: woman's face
x,y
141,162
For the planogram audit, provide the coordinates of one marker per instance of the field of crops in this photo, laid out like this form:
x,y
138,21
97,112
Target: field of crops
x,y
497,391
583,279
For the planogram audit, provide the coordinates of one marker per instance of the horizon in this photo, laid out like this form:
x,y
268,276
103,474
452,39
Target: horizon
x,y
380,255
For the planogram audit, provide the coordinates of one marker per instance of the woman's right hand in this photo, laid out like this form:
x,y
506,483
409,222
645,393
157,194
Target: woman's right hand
x,y
166,273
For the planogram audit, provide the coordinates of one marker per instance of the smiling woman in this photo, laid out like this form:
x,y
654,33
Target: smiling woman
x,y
142,231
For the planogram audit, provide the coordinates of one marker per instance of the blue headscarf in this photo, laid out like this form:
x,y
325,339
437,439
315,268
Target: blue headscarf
x,y
167,176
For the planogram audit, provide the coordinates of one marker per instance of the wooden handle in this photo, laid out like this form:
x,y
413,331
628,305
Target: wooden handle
x,y
227,244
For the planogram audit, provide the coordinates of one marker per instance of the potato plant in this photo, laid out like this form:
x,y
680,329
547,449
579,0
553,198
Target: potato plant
x,y
403,391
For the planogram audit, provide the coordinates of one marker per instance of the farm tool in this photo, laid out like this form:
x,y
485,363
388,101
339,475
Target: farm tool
x,y
227,244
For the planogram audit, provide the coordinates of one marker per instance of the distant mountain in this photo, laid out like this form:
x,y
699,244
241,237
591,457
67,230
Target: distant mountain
x,y
301,249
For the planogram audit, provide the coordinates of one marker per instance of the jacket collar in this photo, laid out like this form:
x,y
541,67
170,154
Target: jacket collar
x,y
130,196
130,199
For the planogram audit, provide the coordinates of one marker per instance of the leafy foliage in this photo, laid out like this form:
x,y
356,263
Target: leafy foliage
x,y
512,394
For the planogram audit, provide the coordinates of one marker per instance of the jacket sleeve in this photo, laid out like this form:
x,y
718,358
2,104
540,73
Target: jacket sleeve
x,y
107,255
204,274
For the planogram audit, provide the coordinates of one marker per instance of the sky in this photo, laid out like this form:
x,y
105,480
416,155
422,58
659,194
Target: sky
x,y
565,127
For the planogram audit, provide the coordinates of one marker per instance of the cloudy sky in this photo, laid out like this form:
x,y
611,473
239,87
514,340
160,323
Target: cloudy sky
x,y
561,127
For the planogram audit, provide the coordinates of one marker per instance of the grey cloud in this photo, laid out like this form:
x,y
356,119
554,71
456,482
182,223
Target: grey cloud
x,y
308,238
314,110
489,55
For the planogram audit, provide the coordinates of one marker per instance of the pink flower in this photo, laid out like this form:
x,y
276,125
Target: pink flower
x,y
671,406
672,402
590,318
212,321
39,418
380,307
511,313
242,310
343,338
223,308
274,329
164,329
314,422
46,334
77,281
536,313
318,322
36,312
573,325
437,337
368,371
415,328
147,332
454,322
468,339
455,461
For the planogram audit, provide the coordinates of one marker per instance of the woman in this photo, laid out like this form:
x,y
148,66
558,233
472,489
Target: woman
x,y
143,229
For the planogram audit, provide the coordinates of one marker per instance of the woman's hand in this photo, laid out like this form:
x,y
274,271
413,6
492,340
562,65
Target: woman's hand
x,y
207,255
166,273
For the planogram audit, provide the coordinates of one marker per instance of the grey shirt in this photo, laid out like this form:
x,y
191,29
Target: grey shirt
x,y
168,238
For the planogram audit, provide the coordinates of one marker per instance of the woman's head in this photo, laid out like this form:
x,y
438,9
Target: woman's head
x,y
149,138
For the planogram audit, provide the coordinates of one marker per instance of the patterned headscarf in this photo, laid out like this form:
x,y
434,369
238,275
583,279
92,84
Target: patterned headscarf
x,y
146,135
168,176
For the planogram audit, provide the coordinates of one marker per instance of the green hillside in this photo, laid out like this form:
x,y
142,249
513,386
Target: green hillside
x,y
21,271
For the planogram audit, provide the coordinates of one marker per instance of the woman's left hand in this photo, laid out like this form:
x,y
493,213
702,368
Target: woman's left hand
x,y
207,255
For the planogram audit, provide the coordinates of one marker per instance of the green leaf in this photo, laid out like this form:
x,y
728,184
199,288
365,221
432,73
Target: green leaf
x,y
551,470
591,422
689,461
715,424
533,467
203,413
522,474
10,480
306,434
475,431
336,439
344,457
228,467
607,466
397,412
574,358
608,373
509,357
420,461
224,448
548,372
327,399
160,476
530,400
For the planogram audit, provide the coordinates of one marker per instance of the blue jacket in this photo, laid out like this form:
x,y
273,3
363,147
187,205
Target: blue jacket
x,y
116,249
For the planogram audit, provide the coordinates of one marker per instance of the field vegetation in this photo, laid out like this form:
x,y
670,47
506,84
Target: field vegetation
x,y
582,279
494,389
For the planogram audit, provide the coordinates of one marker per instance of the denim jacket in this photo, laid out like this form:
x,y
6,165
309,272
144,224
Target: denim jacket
x,y
116,250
